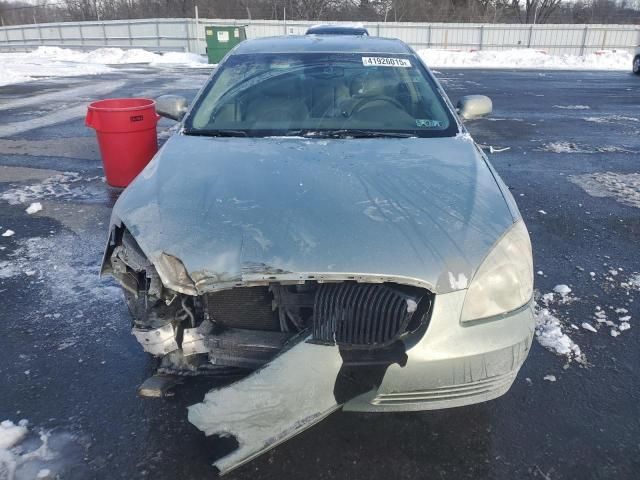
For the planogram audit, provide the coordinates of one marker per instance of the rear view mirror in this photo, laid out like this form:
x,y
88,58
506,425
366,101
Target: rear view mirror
x,y
172,106
473,106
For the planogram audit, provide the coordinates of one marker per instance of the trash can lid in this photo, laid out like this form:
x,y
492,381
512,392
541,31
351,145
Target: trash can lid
x,y
122,104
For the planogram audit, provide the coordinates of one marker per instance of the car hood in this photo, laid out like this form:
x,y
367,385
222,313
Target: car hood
x,y
236,210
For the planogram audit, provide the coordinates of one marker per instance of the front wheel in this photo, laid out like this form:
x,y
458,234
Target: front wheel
x,y
636,65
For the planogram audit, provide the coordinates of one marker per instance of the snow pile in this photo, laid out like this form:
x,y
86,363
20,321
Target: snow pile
x,y
35,207
65,62
550,334
527,59
550,329
28,455
21,67
623,187
10,434
562,289
182,58
116,56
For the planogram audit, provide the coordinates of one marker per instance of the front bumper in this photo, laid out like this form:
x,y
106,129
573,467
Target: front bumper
x,y
453,364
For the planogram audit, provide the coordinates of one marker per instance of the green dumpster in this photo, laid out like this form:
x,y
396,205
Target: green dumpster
x,y
221,39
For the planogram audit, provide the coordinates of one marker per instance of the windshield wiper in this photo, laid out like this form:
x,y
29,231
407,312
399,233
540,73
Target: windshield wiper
x,y
353,133
216,133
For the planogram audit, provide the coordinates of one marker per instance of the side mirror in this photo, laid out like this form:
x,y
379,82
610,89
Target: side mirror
x,y
473,106
172,106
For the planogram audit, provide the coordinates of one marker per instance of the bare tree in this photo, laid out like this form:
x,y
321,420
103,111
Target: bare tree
x,y
14,12
535,11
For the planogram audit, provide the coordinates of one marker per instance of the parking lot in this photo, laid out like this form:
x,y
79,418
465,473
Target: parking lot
x,y
567,144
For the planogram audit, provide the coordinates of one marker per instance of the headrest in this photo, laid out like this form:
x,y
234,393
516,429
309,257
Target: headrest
x,y
368,85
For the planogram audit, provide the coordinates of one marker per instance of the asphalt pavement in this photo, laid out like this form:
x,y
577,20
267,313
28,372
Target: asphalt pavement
x,y
69,364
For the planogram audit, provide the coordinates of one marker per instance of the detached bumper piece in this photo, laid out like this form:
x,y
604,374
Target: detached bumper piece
x,y
266,408
366,315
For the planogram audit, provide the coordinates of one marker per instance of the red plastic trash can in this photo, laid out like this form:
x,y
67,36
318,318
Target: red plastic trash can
x,y
126,131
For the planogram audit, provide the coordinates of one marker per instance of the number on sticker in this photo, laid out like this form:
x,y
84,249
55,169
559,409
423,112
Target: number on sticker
x,y
385,62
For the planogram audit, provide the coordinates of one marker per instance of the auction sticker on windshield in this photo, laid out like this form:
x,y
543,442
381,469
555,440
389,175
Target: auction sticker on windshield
x,y
385,62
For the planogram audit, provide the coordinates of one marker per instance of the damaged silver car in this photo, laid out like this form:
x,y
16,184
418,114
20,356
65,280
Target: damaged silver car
x,y
324,227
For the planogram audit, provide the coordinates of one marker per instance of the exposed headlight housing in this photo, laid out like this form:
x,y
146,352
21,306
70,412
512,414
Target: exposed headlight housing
x,y
504,281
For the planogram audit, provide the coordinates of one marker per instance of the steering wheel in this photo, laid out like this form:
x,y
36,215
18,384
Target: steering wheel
x,y
362,104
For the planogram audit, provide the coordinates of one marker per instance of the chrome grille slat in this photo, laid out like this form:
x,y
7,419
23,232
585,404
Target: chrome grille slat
x,y
436,394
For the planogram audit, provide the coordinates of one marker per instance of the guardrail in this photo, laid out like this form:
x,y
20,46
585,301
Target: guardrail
x,y
187,34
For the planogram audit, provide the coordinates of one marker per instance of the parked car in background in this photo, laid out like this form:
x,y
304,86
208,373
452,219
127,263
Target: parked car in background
x,y
636,62
324,225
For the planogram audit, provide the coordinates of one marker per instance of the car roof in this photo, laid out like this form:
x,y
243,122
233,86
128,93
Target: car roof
x,y
329,29
323,43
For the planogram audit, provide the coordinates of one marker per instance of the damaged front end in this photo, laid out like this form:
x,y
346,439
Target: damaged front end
x,y
304,346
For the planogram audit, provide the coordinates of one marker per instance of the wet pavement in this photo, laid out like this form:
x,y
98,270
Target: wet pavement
x,y
69,364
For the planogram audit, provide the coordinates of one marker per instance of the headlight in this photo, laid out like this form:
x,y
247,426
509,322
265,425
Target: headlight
x,y
504,280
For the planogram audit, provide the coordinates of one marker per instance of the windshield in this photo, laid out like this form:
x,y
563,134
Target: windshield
x,y
321,94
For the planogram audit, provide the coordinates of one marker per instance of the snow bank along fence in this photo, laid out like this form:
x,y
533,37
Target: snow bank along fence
x,y
187,34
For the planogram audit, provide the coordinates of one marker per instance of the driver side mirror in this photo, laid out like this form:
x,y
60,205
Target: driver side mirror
x,y
172,106
474,106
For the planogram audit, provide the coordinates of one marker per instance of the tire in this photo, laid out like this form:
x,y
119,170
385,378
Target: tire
x,y
636,65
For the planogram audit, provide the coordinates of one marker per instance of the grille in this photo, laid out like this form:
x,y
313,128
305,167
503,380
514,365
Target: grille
x,y
248,307
360,314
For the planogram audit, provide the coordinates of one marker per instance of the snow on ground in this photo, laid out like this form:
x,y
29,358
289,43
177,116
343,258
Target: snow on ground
x,y
66,186
550,334
563,147
570,147
553,320
572,107
18,67
61,265
116,56
15,68
612,119
623,187
27,455
527,59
